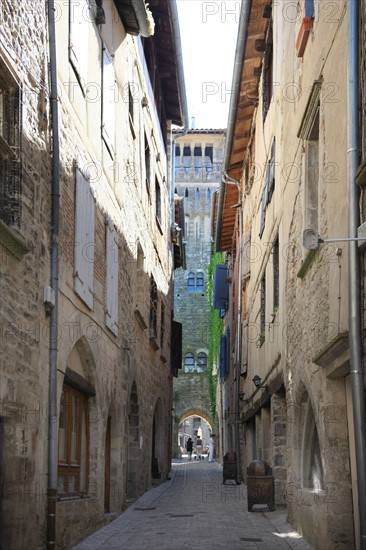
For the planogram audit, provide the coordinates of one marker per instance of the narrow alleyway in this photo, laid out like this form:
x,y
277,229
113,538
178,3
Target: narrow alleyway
x,y
195,510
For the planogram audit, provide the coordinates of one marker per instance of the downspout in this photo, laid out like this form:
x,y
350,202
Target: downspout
x,y
55,200
354,288
230,180
245,9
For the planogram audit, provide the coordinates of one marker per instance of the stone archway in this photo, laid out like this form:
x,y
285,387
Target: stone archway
x,y
133,448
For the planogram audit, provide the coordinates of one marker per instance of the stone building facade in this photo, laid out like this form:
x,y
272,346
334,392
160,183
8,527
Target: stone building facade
x,y
115,263
198,164
286,153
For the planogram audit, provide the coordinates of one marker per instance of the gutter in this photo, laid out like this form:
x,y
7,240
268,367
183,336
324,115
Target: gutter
x,y
53,337
144,18
354,273
245,10
179,57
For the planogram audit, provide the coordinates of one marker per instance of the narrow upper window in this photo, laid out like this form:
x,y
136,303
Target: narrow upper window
x,y
276,275
157,200
131,112
109,90
189,362
79,22
263,307
10,129
153,308
201,362
147,164
268,74
200,287
191,282
309,132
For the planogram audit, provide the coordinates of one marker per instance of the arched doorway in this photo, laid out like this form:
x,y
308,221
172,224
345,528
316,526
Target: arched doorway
x,y
133,445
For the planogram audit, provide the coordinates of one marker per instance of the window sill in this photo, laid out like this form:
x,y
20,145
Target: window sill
x,y
302,37
13,241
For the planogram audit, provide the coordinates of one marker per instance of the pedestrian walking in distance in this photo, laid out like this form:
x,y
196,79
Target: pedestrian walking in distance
x,y
199,447
189,447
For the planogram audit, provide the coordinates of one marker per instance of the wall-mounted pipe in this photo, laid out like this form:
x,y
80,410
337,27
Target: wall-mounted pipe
x,y
354,288
53,335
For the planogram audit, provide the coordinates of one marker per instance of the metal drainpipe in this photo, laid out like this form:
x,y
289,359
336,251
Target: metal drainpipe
x,y
55,200
354,288
231,180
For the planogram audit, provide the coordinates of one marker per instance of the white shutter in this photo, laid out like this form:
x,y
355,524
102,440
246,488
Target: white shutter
x,y
79,18
111,314
109,91
244,348
84,240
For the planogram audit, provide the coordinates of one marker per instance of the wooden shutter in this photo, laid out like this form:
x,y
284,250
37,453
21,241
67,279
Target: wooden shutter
x,y
109,90
84,240
111,312
78,45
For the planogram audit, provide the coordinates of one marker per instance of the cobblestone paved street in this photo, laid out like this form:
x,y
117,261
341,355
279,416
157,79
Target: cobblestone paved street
x,y
195,510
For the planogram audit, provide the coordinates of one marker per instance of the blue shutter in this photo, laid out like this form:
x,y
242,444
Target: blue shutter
x,y
221,287
309,8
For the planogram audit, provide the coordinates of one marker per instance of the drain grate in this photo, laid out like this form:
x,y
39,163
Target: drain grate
x,y
145,509
248,539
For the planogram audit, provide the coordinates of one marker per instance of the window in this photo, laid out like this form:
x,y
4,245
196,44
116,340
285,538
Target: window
x,y
201,362
109,91
73,443
130,112
79,18
111,294
263,307
84,239
187,157
269,186
189,362
276,276
153,308
147,164
191,286
162,325
157,201
268,74
309,132
197,153
200,283
10,127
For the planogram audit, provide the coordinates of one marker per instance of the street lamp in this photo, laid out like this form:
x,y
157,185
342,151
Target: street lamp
x,y
257,382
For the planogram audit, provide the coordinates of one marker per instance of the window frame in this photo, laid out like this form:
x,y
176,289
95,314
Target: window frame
x,y
67,467
10,143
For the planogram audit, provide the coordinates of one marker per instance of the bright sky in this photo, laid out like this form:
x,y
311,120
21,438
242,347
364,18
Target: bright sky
x,y
208,32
